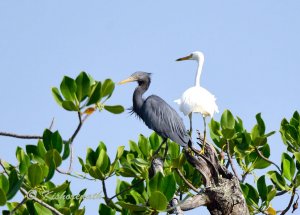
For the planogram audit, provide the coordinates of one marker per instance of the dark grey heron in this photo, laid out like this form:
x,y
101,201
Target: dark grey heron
x,y
156,113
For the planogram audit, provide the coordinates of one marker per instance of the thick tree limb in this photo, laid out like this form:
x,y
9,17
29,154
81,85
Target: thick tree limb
x,y
195,202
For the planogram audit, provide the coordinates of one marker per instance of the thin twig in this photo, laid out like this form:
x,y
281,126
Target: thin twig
x,y
2,165
125,190
106,199
44,204
186,181
80,123
290,203
52,123
231,162
266,159
77,129
244,175
19,205
20,136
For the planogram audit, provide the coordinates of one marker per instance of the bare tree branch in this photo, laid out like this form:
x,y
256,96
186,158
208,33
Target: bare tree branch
x,y
177,209
230,161
186,181
290,203
20,136
125,190
44,204
19,205
194,202
266,159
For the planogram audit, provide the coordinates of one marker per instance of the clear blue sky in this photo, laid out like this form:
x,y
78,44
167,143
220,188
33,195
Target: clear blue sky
x,y
252,64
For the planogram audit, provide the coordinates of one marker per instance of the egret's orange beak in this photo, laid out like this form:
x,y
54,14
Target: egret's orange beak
x,y
130,79
185,58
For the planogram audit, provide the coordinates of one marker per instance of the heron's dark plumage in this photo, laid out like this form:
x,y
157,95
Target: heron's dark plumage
x,y
157,114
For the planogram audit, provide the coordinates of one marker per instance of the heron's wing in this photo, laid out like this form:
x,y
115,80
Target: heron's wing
x,y
164,120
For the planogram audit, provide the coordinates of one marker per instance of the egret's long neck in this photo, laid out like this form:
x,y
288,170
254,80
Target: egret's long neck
x,y
199,70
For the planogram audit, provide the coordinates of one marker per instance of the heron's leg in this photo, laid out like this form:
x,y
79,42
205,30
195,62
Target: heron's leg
x,y
204,138
190,131
164,141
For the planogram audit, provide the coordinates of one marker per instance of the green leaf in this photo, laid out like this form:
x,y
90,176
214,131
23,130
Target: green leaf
x,y
66,150
126,172
41,209
41,149
271,193
53,155
260,163
120,151
228,133
158,201
116,109
2,197
227,120
91,157
297,156
155,182
144,145
68,88
250,194
95,95
35,174
107,88
57,141
96,173
134,147
4,184
105,210
168,186
83,86
174,150
57,97
277,180
288,166
103,162
261,124
132,207
154,141
215,127
262,188
14,184
70,106
24,161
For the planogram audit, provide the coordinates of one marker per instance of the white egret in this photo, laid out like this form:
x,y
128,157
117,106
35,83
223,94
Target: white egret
x,y
197,99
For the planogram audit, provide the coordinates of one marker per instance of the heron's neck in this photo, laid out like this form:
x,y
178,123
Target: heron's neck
x,y
138,96
199,70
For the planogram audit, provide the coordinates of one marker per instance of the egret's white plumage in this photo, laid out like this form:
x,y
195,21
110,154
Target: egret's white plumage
x,y
197,99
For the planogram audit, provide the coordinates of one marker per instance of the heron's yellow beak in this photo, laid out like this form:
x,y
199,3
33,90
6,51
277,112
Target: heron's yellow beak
x,y
184,58
130,79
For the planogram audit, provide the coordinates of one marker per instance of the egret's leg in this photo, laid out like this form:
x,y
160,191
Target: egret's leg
x,y
190,116
164,141
204,138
